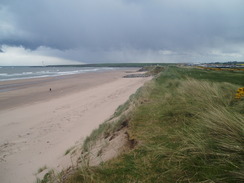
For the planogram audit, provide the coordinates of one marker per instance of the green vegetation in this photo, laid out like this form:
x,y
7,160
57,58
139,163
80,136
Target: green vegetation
x,y
235,77
69,150
48,177
42,169
189,128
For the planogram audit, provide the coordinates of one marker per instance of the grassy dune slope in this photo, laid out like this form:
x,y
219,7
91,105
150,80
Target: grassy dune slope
x,y
188,127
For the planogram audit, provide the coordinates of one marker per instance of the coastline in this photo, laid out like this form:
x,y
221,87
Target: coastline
x,y
15,93
38,126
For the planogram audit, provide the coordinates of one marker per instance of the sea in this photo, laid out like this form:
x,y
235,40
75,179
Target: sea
x,y
23,72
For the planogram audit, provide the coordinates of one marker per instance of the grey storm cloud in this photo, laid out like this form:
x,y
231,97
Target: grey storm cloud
x,y
123,27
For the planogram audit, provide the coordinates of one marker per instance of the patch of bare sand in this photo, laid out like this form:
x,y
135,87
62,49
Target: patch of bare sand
x,y
36,130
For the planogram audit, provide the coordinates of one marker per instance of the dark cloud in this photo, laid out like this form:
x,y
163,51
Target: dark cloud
x,y
123,27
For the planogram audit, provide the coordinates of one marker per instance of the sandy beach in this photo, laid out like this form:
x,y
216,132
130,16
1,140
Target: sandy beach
x,y
37,126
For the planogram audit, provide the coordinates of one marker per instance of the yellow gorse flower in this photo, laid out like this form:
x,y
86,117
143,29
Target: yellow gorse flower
x,y
240,93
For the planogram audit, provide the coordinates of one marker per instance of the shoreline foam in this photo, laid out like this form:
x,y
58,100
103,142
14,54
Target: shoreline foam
x,y
19,73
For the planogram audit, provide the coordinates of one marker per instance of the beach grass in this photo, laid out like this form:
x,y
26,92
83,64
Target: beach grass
x,y
42,169
69,150
50,176
189,128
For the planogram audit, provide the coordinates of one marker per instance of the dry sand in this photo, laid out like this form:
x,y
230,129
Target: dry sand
x,y
37,126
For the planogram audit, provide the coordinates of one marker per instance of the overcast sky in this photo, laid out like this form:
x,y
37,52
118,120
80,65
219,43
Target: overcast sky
x,y
102,31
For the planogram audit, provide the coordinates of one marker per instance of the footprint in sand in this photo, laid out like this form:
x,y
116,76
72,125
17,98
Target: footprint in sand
x,y
5,150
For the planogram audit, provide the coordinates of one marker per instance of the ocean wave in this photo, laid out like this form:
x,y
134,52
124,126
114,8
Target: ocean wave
x,y
3,74
28,73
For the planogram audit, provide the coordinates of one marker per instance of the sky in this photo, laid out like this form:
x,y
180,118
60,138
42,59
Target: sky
x,y
111,31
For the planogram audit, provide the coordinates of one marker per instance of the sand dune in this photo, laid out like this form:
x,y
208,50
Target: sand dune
x,y
37,126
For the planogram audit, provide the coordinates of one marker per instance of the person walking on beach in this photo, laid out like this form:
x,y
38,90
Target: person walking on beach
x,y
50,89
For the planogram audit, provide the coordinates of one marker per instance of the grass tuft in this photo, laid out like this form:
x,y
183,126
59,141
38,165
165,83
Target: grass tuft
x,y
42,169
69,150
